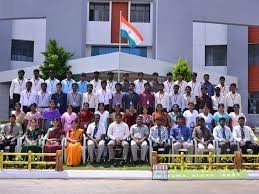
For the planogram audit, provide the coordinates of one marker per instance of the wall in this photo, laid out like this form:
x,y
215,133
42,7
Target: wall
x,y
5,46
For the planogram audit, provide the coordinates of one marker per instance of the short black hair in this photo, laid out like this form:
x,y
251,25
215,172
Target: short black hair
x,y
103,82
206,75
21,71
155,73
233,84
43,83
131,83
222,78
36,71
169,74
140,73
147,84
12,115
97,72
74,84
28,82
59,84
69,72
110,73
83,74
180,117
241,117
194,74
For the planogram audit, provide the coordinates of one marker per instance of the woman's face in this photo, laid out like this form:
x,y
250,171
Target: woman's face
x,y
101,107
55,123
69,109
175,109
33,123
221,109
145,110
86,106
17,107
117,109
159,108
52,105
33,108
132,108
74,125
205,110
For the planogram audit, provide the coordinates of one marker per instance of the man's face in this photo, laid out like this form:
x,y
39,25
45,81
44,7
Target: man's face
x,y
51,74
44,87
36,74
83,78
74,87
59,88
176,89
200,122
194,77
222,81
179,77
222,122
131,87
241,122
155,77
96,75
233,88
118,119
203,91
12,119
140,76
21,75
104,86
236,108
169,77
158,122
90,88
188,90
28,86
118,88
69,76
139,121
206,78
180,121
126,77
96,119
217,91
110,76
161,88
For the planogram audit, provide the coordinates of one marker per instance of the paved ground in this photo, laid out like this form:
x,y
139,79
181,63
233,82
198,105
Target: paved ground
x,y
126,187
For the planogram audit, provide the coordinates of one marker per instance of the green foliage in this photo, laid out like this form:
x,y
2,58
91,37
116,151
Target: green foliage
x,y
55,58
183,67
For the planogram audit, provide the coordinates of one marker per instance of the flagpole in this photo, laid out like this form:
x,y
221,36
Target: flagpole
x,y
119,71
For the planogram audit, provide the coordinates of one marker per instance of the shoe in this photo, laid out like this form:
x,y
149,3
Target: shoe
x,y
122,162
142,162
135,163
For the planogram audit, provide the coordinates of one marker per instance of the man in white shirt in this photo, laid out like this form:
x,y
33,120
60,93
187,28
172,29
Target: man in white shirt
x,y
139,83
224,89
118,132
176,98
96,82
96,133
27,97
217,99
43,98
162,97
169,84
105,96
67,83
52,82
111,82
189,97
181,83
195,85
245,136
17,86
232,98
36,81
90,98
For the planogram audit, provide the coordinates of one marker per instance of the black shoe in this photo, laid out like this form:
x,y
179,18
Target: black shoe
x,y
122,162
135,163
142,162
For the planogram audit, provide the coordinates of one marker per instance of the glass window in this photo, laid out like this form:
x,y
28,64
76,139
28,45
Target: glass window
x,y
253,54
253,103
22,50
140,13
99,11
216,55
100,50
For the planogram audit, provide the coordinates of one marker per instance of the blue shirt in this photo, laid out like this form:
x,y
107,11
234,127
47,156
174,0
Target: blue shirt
x,y
67,85
82,86
210,88
181,133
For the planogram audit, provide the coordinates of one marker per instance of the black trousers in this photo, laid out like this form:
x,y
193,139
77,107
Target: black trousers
x,y
26,109
156,146
249,145
8,142
76,110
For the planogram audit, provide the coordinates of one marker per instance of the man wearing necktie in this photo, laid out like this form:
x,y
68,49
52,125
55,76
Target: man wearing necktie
x,y
224,136
10,132
245,137
96,133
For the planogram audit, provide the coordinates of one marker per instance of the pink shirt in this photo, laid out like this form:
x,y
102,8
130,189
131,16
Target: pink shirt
x,y
67,120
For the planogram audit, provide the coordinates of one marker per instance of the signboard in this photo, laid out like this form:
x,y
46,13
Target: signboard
x,y
160,172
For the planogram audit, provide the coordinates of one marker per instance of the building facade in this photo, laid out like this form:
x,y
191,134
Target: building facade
x,y
212,36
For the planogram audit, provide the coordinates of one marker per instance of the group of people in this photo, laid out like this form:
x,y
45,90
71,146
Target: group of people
x,y
129,115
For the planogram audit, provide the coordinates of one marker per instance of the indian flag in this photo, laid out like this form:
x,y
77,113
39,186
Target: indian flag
x,y
130,33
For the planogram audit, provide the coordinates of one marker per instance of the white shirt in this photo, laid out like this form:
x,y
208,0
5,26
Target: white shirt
x,y
190,117
234,118
224,90
176,99
17,86
249,134
139,86
208,118
188,99
100,131
67,85
36,84
169,87
111,85
43,99
91,99
118,131
182,85
162,98
232,99
51,85
103,118
104,96
216,101
96,85
27,98
196,88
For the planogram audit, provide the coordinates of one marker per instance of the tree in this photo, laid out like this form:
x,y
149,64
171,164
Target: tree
x,y
183,67
55,58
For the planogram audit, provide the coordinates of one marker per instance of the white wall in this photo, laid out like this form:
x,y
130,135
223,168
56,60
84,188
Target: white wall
x,y
207,34
33,30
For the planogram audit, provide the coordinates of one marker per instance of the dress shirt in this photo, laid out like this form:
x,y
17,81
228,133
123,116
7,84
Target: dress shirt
x,y
36,84
67,85
209,87
190,117
218,133
181,133
124,86
91,99
139,132
111,85
248,134
82,86
169,87
182,85
60,101
130,98
147,99
15,132
17,86
43,99
201,134
117,99
51,85
224,90
216,100
232,99
104,96
118,131
154,86
188,99
208,119
204,100
158,133
176,99
196,88
100,130
139,86
162,98
27,98
75,99
96,85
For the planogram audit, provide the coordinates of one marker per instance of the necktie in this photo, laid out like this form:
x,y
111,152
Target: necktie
x,y
159,132
224,134
11,130
242,133
95,129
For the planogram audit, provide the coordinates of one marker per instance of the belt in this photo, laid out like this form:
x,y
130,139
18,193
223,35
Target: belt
x,y
43,107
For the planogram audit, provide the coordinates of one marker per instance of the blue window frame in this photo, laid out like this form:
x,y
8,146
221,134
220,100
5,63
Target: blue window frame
x,y
100,50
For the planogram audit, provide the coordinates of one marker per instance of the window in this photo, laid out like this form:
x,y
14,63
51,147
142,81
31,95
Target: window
x,y
253,103
22,50
216,55
99,12
100,50
140,13
253,54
